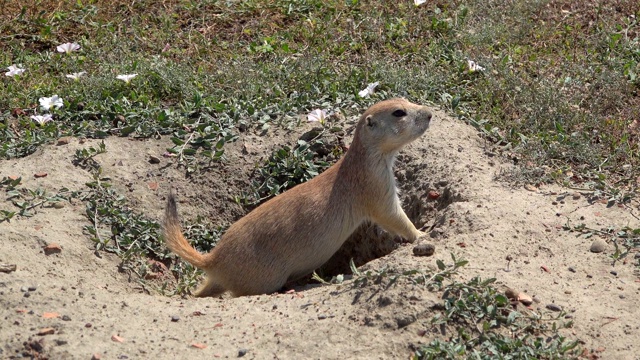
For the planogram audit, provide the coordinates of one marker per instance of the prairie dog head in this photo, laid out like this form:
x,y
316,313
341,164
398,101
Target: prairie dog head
x,y
391,124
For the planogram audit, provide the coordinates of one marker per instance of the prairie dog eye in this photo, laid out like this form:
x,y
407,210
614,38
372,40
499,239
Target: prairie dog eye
x,y
399,113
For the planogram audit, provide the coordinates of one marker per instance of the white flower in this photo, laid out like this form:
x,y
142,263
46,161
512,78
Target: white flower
x,y
68,48
126,78
473,66
14,70
419,2
369,90
317,115
42,119
46,103
76,76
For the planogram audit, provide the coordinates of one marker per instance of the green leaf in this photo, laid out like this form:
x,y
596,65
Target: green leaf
x,y
177,141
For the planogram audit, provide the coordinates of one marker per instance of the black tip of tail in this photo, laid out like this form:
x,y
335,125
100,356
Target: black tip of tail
x,y
171,212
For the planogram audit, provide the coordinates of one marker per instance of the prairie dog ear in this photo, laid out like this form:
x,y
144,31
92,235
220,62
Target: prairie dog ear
x,y
369,121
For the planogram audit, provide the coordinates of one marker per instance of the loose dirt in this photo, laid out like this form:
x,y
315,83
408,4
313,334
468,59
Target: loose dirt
x,y
83,306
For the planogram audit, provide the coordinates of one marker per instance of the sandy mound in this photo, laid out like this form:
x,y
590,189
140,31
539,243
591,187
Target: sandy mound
x,y
475,217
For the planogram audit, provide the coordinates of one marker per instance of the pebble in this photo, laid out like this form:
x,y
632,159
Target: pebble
x,y
621,296
87,325
175,318
511,293
66,318
598,246
24,289
322,316
576,196
613,272
572,269
61,342
52,248
424,250
27,294
636,256
96,356
554,307
46,331
154,159
63,141
242,352
32,288
525,299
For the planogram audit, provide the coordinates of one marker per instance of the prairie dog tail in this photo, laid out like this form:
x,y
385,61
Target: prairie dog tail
x,y
174,239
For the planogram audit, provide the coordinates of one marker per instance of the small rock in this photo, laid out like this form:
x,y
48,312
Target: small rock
x,y
530,187
24,289
636,256
34,345
117,338
433,195
63,141
154,159
175,318
576,196
52,248
40,174
66,318
96,356
27,294
61,342
525,299
32,288
87,325
242,352
198,345
46,331
424,250
511,293
598,246
443,183
7,268
613,272
572,269
554,307
322,316
621,296
58,204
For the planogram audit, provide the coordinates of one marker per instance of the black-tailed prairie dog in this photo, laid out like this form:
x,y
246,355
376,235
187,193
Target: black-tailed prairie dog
x,y
296,232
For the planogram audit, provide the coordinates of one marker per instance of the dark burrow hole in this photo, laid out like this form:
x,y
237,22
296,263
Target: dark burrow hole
x,y
371,242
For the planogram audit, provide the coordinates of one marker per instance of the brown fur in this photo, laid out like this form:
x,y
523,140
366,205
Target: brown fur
x,y
295,232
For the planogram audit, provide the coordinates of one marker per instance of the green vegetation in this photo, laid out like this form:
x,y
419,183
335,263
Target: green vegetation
x,y
487,326
559,93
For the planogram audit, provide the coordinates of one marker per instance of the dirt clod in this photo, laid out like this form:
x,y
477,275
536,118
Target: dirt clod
x,y
52,248
554,307
424,250
46,331
7,268
598,246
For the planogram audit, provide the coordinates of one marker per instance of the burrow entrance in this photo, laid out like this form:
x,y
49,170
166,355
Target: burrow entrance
x,y
423,203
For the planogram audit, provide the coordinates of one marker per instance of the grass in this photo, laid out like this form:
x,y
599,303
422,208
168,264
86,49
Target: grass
x,y
559,94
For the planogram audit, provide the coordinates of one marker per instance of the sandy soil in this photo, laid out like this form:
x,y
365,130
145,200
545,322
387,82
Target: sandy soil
x,y
477,217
